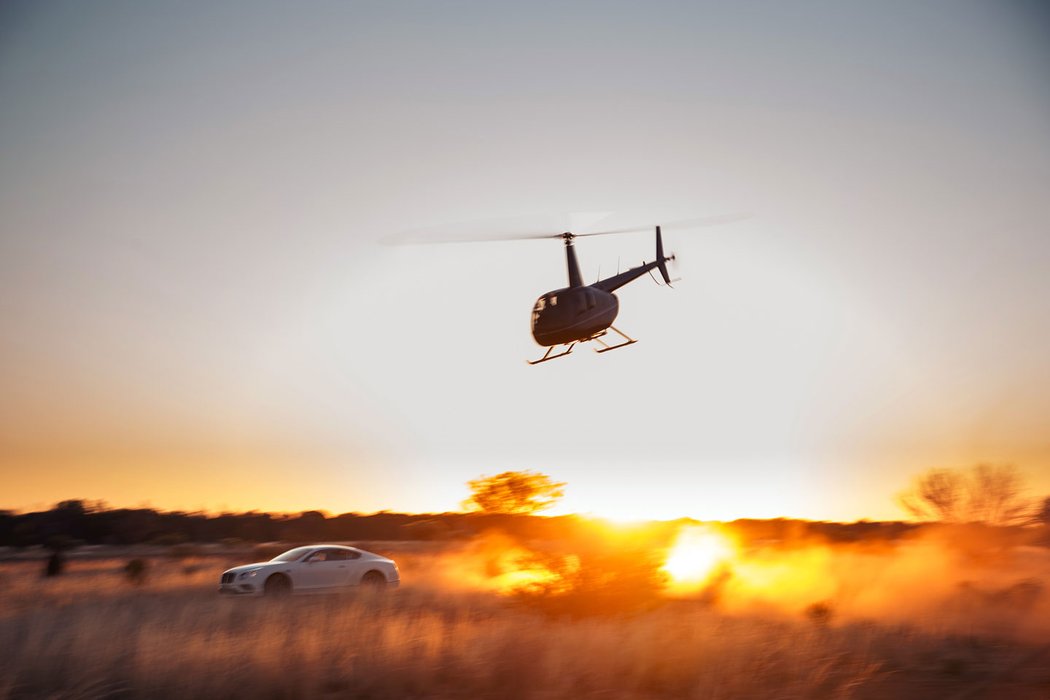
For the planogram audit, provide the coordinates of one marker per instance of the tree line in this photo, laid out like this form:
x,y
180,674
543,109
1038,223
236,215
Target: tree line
x,y
989,496
77,522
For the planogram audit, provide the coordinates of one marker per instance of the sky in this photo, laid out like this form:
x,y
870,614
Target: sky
x,y
200,307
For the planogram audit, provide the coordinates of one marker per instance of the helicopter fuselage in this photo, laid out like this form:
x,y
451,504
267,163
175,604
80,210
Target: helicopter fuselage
x,y
572,314
580,312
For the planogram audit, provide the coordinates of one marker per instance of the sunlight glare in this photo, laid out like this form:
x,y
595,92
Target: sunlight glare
x,y
695,556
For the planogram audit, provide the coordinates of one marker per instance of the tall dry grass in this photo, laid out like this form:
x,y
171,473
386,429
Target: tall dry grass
x,y
89,634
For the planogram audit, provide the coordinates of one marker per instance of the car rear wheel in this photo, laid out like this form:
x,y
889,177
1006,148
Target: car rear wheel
x,y
373,582
277,586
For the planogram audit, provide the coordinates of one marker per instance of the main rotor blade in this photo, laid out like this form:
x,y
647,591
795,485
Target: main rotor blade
x,y
480,231
532,228
420,238
680,223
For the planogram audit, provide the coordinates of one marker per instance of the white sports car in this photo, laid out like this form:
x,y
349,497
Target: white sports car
x,y
317,568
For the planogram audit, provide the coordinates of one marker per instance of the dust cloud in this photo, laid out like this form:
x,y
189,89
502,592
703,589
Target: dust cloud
x,y
951,580
943,580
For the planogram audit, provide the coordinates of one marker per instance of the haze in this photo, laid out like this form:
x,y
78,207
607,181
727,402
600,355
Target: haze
x,y
198,312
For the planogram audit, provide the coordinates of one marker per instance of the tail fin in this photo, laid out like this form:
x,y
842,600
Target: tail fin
x,y
660,259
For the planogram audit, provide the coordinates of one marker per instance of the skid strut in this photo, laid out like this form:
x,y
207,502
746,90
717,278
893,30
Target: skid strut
x,y
628,340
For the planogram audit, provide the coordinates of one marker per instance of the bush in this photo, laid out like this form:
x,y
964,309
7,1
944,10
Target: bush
x,y
820,614
136,571
56,564
597,580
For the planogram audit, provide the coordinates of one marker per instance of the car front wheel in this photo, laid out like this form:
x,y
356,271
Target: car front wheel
x,y
277,586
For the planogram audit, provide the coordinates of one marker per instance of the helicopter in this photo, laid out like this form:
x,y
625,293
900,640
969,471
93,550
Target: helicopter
x,y
582,312
579,313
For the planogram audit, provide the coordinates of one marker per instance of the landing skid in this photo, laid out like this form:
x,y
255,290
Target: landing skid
x,y
547,356
597,337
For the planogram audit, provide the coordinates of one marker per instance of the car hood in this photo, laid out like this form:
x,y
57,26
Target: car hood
x,y
257,565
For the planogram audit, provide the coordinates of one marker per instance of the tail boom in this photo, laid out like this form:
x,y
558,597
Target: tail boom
x,y
616,281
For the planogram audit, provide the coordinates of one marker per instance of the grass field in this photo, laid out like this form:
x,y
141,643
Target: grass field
x,y
91,634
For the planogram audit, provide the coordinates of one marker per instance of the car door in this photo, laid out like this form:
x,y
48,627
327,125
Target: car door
x,y
356,567
325,568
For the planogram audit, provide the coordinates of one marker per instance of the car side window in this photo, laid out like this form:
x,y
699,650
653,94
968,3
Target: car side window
x,y
336,555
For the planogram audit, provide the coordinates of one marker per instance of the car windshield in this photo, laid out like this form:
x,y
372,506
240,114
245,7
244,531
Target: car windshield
x,y
292,554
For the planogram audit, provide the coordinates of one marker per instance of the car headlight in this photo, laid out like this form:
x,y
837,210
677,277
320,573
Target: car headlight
x,y
248,574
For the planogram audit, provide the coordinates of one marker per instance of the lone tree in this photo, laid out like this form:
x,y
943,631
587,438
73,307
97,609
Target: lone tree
x,y
985,493
513,493
1042,515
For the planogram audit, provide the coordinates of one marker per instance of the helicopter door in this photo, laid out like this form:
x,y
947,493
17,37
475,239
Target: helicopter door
x,y
587,300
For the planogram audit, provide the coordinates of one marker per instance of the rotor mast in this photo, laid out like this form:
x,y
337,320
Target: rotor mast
x,y
575,278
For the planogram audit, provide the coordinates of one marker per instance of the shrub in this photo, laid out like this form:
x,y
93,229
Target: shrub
x,y
136,571
820,614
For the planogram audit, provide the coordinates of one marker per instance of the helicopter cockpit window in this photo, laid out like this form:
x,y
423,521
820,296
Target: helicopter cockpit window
x,y
541,304
554,300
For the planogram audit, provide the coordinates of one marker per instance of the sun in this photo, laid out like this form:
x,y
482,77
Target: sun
x,y
695,556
